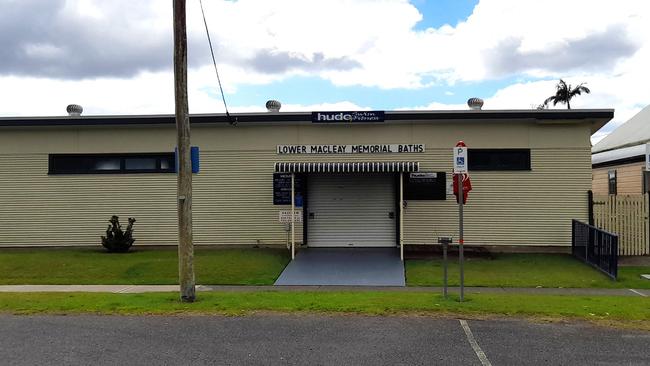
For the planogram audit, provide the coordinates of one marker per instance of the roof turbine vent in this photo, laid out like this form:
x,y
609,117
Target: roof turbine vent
x,y
273,106
74,110
475,104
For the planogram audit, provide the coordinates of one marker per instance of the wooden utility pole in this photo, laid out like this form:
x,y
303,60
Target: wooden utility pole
x,y
184,174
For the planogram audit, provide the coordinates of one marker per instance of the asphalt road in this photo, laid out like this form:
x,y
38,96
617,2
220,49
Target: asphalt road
x,y
310,340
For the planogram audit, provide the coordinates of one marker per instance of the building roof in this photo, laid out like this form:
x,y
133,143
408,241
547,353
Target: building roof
x,y
621,155
596,117
635,131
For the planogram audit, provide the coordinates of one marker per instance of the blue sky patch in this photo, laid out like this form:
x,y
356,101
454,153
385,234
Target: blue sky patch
x,y
313,90
437,13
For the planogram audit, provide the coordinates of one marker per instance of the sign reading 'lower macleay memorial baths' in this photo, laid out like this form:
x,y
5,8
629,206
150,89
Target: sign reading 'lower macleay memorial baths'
x,y
350,149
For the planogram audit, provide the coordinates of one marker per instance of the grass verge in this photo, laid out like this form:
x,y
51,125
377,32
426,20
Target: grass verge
x,y
630,312
216,266
152,266
522,270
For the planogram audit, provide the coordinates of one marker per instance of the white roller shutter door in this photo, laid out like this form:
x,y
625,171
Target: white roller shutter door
x,y
351,210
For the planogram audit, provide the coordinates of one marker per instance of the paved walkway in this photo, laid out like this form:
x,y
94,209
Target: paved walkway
x,y
132,289
344,266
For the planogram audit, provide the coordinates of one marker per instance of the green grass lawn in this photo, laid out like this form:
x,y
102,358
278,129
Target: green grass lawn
x,y
522,270
629,311
215,266
141,266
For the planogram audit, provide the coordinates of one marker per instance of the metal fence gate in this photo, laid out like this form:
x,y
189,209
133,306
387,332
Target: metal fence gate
x,y
595,247
627,216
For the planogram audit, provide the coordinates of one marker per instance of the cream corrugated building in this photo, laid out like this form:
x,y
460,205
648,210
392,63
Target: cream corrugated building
x,y
61,178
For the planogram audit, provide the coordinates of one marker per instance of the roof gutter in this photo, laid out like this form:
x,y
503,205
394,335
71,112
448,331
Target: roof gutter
x,y
598,118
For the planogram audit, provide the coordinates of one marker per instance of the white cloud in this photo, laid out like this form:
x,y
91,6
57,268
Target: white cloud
x,y
607,92
366,42
434,106
338,106
148,93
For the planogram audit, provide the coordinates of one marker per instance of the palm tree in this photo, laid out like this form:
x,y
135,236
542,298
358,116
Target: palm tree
x,y
565,93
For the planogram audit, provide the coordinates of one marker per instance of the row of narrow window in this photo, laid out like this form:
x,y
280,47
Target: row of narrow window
x,y
112,163
478,159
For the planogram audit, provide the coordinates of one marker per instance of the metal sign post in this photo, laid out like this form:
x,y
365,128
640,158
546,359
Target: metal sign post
x,y
444,258
460,238
445,241
460,168
293,216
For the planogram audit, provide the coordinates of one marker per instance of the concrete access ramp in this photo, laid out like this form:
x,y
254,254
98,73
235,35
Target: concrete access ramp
x,y
344,267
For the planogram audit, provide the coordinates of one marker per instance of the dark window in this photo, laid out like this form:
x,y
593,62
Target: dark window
x,y
425,186
646,181
498,159
106,163
611,181
111,163
140,163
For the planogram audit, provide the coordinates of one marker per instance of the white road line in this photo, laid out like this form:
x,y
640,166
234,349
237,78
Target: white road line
x,y
477,349
638,293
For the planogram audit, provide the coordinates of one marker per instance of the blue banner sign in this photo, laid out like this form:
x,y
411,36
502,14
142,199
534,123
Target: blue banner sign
x,y
347,117
194,157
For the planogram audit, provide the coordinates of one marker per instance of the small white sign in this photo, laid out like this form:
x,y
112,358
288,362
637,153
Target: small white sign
x,y
423,175
450,187
460,159
647,157
285,216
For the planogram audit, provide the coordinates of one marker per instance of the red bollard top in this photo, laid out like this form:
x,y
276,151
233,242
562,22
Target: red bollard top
x,y
460,144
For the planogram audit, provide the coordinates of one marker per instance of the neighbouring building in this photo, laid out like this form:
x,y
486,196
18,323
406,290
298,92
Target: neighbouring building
x,y
359,178
618,160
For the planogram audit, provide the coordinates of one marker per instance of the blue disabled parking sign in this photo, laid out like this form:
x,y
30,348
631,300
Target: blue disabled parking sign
x,y
460,160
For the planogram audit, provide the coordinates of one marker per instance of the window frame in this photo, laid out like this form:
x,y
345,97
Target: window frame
x,y
527,166
645,181
84,166
612,182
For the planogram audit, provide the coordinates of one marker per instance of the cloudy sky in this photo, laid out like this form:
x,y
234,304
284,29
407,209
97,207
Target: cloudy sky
x,y
115,57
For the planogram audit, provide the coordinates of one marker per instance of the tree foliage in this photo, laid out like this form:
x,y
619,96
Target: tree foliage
x,y
564,93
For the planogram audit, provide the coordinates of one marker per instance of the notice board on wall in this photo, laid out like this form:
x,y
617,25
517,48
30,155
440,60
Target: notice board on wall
x,y
282,189
425,186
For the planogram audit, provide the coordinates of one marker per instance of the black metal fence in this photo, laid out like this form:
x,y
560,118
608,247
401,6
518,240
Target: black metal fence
x,y
596,247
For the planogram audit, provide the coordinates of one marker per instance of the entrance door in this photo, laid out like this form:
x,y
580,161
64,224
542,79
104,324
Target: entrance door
x,y
351,210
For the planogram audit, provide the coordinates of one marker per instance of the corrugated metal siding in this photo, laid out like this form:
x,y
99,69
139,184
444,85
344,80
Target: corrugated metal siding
x,y
232,203
74,209
509,208
233,200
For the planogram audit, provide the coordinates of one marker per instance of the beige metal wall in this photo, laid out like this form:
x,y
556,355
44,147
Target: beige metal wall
x,y
233,191
511,208
629,179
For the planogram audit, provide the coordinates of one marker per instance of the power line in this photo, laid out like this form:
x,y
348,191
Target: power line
x,y
214,62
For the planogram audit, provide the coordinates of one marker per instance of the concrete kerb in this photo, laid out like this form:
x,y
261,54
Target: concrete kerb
x,y
131,289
